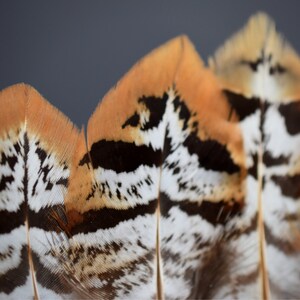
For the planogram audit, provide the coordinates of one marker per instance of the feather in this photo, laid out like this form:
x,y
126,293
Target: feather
x,y
186,185
34,168
259,73
154,202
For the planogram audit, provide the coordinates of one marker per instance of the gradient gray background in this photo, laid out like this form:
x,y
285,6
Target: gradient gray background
x,y
73,51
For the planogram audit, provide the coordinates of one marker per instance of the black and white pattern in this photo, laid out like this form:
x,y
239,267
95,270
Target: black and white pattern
x,y
33,184
187,185
269,121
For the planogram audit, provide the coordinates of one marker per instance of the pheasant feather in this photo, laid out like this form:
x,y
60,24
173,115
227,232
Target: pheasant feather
x,y
185,186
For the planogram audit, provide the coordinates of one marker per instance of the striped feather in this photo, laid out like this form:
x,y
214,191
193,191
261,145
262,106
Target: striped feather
x,y
186,185
261,81
34,169
154,203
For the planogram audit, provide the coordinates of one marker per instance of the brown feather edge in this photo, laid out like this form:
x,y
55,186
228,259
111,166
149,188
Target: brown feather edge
x,y
22,103
203,95
57,132
246,45
12,109
151,82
